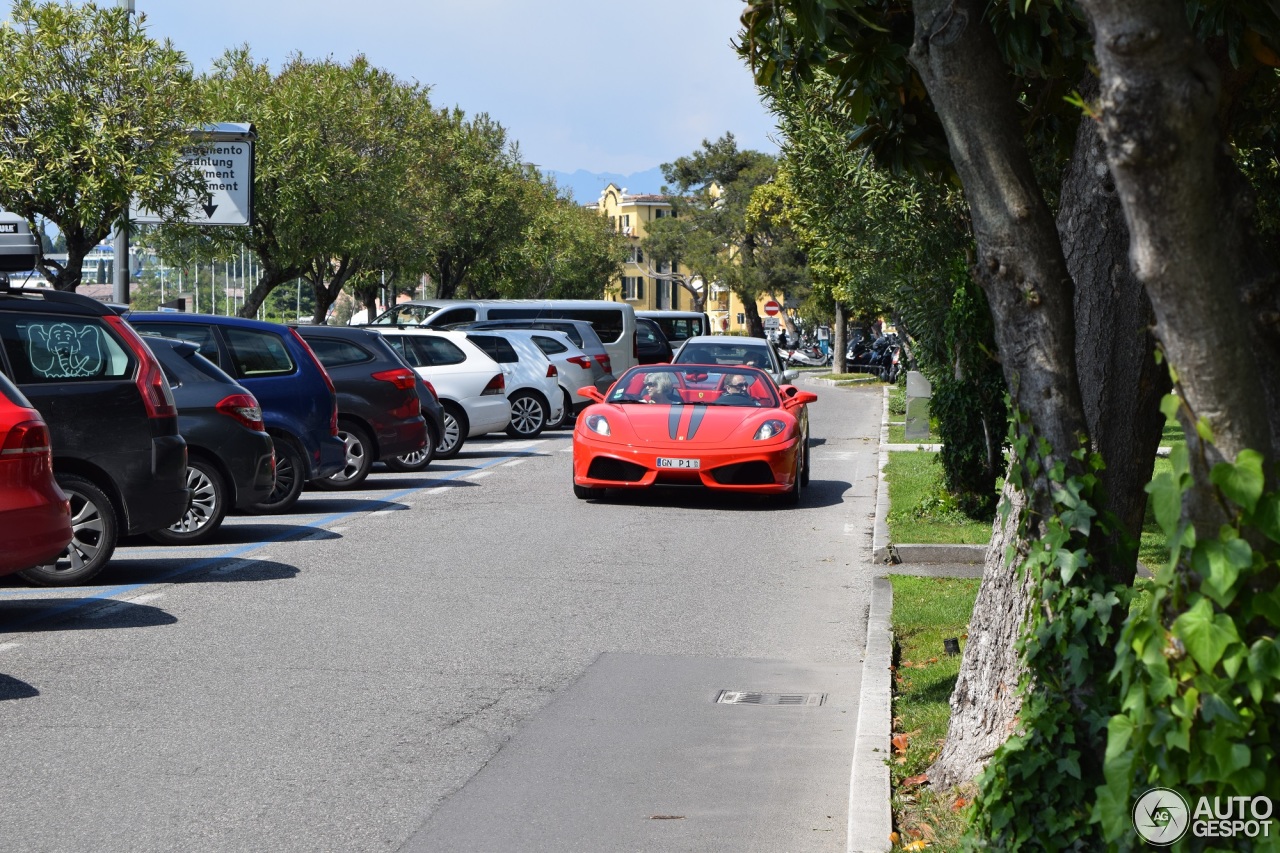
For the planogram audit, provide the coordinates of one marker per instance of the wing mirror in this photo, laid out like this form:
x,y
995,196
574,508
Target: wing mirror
x,y
592,393
790,375
793,397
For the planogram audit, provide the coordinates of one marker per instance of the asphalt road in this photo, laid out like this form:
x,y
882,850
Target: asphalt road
x,y
331,679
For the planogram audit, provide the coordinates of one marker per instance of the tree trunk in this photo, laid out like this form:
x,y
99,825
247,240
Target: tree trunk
x,y
838,336
985,701
1217,314
271,278
1023,273
1120,382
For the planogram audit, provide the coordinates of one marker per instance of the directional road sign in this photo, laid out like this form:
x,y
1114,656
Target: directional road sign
x,y
223,152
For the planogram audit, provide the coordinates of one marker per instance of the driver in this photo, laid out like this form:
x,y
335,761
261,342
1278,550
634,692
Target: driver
x,y
661,388
737,388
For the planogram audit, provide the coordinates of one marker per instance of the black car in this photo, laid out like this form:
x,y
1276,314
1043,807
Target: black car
x,y
230,456
652,346
380,412
117,451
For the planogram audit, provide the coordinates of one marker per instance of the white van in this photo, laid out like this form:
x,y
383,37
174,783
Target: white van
x,y
614,322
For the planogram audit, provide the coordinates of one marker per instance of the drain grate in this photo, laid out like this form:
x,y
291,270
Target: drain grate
x,y
747,697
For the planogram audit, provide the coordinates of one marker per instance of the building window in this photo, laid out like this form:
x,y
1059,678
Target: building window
x,y
633,287
637,256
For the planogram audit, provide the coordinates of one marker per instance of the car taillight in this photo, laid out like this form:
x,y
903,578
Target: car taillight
x,y
156,396
29,438
432,389
551,371
243,408
401,377
333,392
606,364
581,360
497,387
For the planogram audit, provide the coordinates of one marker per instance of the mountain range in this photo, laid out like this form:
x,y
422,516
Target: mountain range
x,y
587,186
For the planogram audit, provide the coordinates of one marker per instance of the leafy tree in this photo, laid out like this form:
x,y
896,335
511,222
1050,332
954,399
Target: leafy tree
x,y
475,207
708,232
928,83
93,113
336,187
565,251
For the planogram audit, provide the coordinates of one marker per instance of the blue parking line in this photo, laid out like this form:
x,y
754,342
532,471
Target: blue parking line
x,y
109,592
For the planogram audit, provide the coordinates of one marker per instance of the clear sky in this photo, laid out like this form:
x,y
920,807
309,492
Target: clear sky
x,y
601,85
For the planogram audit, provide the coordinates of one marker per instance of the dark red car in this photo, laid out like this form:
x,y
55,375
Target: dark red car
x,y
35,516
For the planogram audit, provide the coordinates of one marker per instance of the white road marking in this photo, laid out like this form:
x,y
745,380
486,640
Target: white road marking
x,y
477,475
239,564
383,512
4,647
337,529
512,462
143,599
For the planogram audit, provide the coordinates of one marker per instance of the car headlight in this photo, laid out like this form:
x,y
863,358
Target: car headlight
x,y
598,424
771,428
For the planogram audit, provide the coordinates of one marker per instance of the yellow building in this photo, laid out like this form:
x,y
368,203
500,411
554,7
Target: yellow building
x,y
648,286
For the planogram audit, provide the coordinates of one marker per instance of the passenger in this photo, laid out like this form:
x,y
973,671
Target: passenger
x,y
661,388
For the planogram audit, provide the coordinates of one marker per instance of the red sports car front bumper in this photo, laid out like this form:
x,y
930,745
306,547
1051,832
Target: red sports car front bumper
x,y
767,469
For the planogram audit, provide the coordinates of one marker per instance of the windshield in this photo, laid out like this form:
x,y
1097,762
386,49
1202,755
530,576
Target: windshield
x,y
750,354
405,315
673,386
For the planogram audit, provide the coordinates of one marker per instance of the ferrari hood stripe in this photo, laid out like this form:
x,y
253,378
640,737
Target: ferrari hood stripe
x,y
673,421
699,412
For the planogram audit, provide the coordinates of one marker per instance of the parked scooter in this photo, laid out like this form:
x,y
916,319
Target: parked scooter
x,y
810,356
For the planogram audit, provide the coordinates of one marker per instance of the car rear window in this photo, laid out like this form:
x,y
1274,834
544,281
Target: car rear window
x,y
258,353
647,334
63,349
499,349
607,324
549,345
10,392
334,352
423,351
201,336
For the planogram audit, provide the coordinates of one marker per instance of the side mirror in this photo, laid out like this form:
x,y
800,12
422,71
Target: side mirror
x,y
592,393
794,398
790,375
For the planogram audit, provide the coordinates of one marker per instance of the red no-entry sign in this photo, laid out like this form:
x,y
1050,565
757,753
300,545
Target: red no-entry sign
x,y
772,308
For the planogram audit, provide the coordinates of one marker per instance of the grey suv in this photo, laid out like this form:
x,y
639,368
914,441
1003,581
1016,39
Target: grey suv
x,y
582,333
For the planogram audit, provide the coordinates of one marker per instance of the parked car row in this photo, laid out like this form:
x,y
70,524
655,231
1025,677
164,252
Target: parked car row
x,y
116,423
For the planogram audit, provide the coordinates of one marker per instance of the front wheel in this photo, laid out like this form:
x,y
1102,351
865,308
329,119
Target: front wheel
x,y
586,493
94,533
359,450
528,416
291,467
204,515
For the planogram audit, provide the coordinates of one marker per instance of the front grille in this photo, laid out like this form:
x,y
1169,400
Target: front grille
x,y
744,474
604,468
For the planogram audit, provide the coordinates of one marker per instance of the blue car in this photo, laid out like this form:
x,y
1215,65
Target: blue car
x,y
299,405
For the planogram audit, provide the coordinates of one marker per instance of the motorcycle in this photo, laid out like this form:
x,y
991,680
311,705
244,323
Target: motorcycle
x,y
810,356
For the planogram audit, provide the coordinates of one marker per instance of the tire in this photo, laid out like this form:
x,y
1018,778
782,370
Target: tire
x,y
95,532
291,467
204,515
792,496
804,475
587,493
528,415
359,450
418,460
455,432
564,413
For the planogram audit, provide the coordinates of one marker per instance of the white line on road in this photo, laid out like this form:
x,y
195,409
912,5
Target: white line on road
x,y
4,647
477,475
512,462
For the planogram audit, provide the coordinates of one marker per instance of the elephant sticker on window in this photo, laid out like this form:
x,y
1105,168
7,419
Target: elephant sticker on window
x,y
62,352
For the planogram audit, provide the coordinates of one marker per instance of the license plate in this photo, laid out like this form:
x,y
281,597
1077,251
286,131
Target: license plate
x,y
666,462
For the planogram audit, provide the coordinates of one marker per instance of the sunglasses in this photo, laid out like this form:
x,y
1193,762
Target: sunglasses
x,y
737,386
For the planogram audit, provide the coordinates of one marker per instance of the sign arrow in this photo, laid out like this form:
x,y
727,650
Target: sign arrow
x,y
209,206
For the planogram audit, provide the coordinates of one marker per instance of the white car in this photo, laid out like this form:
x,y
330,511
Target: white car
x,y
575,367
471,386
731,349
533,384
